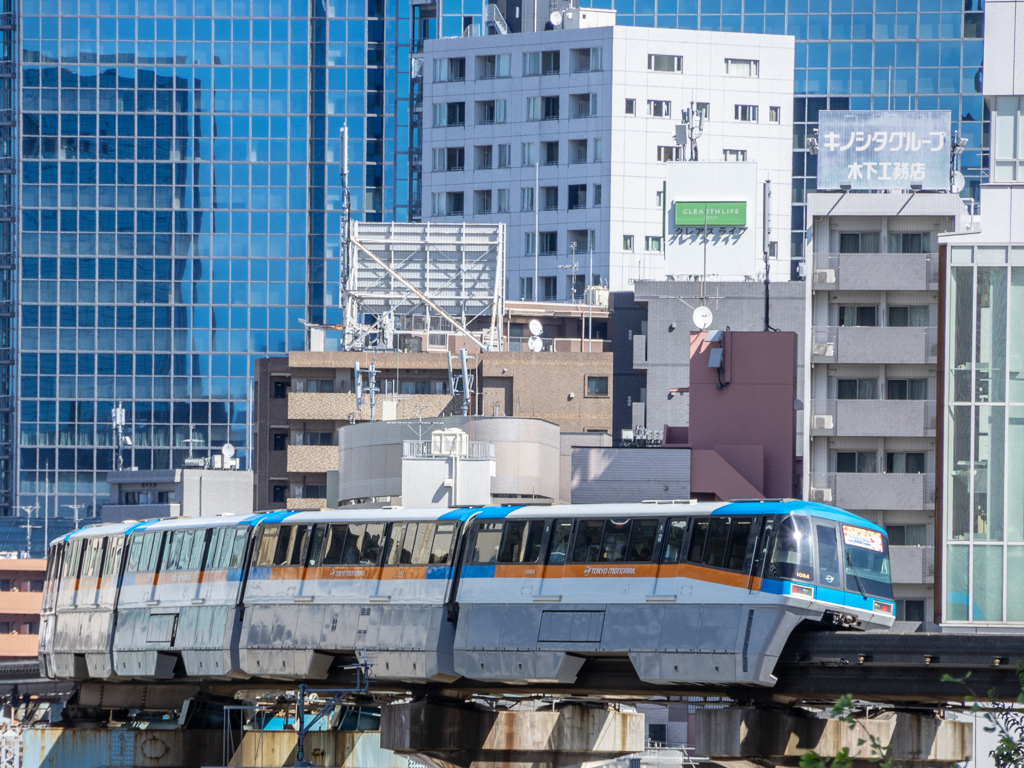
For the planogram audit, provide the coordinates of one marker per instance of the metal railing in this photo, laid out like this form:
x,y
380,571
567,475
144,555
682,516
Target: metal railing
x,y
424,449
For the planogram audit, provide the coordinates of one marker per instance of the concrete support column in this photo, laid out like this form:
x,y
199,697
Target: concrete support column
x,y
574,735
739,734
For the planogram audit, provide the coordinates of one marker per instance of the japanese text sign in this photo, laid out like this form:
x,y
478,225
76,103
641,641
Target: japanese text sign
x,y
883,150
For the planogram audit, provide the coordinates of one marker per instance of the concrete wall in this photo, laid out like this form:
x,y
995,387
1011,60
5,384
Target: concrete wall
x,y
616,475
196,492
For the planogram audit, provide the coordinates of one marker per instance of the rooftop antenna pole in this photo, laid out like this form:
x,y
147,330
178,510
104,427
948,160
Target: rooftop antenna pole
x,y
766,230
29,509
75,507
117,415
346,205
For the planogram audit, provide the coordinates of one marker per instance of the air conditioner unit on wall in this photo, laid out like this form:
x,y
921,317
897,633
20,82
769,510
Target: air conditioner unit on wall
x,y
821,421
824,275
824,349
823,495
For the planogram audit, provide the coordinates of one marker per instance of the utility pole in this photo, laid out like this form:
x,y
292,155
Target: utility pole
x,y
29,509
76,508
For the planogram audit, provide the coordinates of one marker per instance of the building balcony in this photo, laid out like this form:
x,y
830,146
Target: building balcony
x,y
312,458
21,603
876,272
912,565
856,491
874,345
19,646
303,503
873,418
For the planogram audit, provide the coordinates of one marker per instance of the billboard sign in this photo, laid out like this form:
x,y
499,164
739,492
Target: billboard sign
x,y
883,150
711,214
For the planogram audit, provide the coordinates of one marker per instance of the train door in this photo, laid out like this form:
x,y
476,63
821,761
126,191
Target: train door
x,y
554,560
829,576
668,582
519,559
761,552
388,584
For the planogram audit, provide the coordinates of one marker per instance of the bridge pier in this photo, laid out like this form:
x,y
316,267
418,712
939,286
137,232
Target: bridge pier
x,y
571,736
736,735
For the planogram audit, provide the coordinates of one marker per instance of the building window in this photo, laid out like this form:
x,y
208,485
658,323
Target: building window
x,y
482,201
704,110
531,243
314,491
577,151
531,64
909,610
627,243
1008,138
490,112
597,386
906,389
909,317
659,198
550,197
526,201
548,243
598,150
577,196
549,152
533,108
529,153
907,535
449,70
856,461
550,62
437,204
320,385
630,106
580,240
661,63
548,288
504,155
484,160
857,389
490,67
746,113
279,494
583,104
850,316
503,201
280,441
281,389
905,462
652,243
455,203
734,155
550,107
670,154
449,158
659,108
450,114
586,59
858,242
526,289
774,113
909,242
742,67
575,287
597,195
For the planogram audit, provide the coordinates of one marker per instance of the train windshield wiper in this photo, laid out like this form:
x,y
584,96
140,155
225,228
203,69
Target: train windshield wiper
x,y
856,575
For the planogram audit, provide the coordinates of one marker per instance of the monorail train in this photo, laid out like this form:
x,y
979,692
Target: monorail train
x,y
690,592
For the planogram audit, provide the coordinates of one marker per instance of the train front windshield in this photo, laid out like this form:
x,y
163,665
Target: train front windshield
x,y
866,556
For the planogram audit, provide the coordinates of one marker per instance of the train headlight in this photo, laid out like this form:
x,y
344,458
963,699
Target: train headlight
x,y
881,607
801,589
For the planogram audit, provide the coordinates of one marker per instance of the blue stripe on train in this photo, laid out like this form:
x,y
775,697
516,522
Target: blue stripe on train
x,y
478,571
826,594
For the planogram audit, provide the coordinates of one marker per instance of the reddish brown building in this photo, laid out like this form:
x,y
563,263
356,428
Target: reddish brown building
x,y
21,600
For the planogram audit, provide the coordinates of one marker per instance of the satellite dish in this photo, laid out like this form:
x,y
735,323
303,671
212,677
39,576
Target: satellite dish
x,y
702,317
555,18
536,328
227,450
958,183
535,344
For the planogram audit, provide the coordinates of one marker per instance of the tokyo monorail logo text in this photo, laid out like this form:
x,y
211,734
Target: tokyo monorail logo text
x,y
609,571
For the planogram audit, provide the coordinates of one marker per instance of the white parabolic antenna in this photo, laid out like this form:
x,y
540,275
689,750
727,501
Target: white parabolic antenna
x,y
556,18
536,328
702,317
958,183
227,450
535,344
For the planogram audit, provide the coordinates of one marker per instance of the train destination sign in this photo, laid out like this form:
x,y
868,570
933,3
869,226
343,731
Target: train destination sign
x,y
726,214
883,150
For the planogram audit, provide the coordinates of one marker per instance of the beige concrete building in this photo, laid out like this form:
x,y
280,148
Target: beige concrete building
x,y
141,494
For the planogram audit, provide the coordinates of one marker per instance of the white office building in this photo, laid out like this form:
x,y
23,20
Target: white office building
x,y
570,137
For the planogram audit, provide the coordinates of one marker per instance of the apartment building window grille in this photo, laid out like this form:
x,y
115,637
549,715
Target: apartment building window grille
x,y
449,70
526,201
745,113
652,243
490,112
549,152
659,108
856,461
909,242
548,243
504,155
734,155
586,59
852,315
484,157
906,389
548,288
503,200
857,389
482,201
630,106
909,317
577,196
670,154
550,197
774,114
905,462
491,67
742,67
858,242
663,63
577,151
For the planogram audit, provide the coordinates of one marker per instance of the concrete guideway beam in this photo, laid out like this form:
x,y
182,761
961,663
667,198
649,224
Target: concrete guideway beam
x,y
741,734
573,735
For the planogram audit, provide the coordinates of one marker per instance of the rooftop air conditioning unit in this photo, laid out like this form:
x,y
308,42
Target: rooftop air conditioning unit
x,y
824,275
823,495
824,349
821,421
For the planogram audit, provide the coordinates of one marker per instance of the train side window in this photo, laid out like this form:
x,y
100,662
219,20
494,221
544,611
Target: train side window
x,y
616,540
739,537
674,540
145,552
642,547
409,543
150,552
199,540
395,544
173,551
297,545
522,541
113,558
95,555
420,551
214,554
333,545
485,546
268,543
369,551
559,541
828,556
285,539
697,538
714,548
441,549
792,556
238,548
350,555
587,547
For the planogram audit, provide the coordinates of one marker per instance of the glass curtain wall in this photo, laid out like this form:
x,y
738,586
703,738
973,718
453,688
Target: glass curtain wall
x,y
984,433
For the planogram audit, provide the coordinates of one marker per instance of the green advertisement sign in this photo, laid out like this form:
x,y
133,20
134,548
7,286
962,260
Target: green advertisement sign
x,y
718,214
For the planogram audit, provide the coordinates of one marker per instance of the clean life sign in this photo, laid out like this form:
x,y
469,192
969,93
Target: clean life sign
x,y
883,150
711,214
